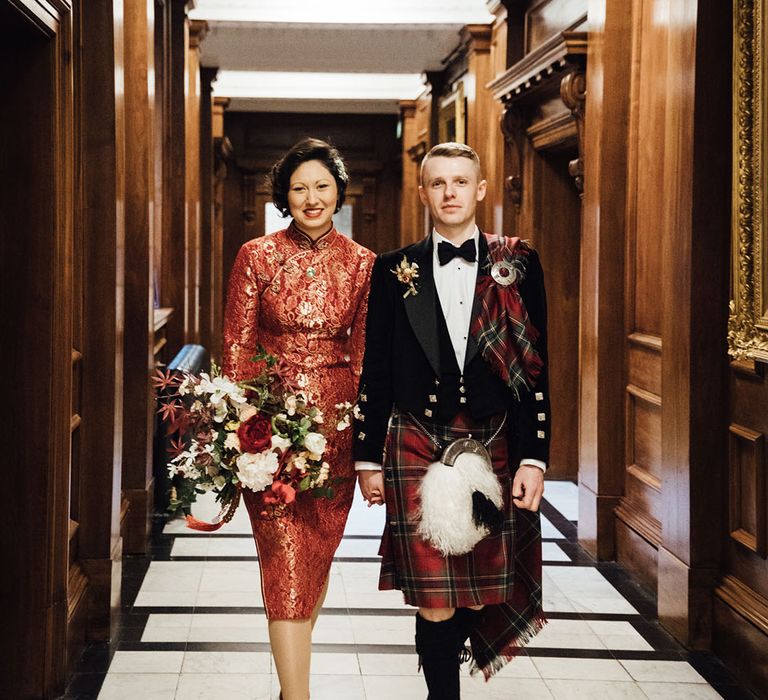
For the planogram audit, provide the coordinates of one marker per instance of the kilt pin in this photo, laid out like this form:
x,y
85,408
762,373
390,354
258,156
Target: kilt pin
x,y
410,386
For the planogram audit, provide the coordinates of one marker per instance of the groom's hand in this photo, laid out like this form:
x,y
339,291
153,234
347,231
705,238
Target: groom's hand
x,y
371,485
528,487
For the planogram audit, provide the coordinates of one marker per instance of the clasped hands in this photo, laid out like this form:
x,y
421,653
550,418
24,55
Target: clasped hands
x,y
527,486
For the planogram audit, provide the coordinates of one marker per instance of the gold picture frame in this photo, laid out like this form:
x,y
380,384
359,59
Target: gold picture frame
x,y
748,321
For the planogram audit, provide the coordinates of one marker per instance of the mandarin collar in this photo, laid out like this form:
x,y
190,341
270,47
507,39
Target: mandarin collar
x,y
305,242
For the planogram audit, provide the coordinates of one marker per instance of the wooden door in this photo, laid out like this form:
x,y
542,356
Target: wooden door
x,y
36,237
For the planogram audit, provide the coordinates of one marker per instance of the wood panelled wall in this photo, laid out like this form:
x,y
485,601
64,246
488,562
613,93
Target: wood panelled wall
x,y
367,142
87,166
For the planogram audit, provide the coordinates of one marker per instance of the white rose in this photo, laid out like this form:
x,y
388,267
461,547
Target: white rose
x,y
255,471
232,442
299,463
315,443
247,412
281,443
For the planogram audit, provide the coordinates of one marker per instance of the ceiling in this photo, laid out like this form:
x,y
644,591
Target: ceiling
x,y
335,56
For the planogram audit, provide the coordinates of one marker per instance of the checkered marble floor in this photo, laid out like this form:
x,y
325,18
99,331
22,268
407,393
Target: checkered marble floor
x,y
193,627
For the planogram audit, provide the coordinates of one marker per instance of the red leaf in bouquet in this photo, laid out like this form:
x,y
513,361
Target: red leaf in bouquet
x,y
169,411
176,447
280,493
179,422
163,380
284,375
255,434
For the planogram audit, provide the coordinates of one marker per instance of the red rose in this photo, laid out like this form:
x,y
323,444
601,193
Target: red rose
x,y
255,434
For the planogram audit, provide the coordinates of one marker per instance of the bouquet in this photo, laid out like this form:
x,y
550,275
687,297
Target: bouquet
x,y
260,434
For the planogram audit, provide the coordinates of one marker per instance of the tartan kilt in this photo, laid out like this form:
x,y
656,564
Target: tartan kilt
x,y
502,572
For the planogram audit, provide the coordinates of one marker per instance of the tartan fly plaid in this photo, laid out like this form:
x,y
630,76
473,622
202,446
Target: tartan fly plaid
x,y
502,572
502,329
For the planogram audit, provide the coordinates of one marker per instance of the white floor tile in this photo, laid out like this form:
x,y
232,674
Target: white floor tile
x,y
388,687
679,691
580,634
165,634
498,688
376,599
247,686
237,662
564,496
604,606
336,687
156,620
589,690
335,664
147,686
383,629
666,671
519,667
358,548
146,662
238,620
581,669
230,599
389,665
551,551
549,531
162,599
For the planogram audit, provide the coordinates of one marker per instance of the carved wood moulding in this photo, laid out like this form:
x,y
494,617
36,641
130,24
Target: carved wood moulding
x,y
745,601
558,66
748,508
748,321
46,15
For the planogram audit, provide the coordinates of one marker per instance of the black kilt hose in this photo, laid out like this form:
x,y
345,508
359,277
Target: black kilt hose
x,y
502,572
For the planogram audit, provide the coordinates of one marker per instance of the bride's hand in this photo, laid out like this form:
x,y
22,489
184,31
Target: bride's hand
x,y
371,486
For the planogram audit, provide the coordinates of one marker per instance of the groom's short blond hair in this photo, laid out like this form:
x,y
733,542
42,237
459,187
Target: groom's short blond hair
x,y
451,149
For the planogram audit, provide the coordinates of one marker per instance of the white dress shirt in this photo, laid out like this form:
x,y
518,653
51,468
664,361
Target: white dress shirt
x,y
455,286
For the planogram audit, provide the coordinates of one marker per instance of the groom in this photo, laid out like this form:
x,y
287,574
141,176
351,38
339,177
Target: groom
x,y
456,348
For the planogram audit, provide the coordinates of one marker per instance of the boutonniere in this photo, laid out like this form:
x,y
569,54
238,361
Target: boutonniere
x,y
406,273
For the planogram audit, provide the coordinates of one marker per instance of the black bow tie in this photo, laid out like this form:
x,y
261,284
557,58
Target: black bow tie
x,y
447,251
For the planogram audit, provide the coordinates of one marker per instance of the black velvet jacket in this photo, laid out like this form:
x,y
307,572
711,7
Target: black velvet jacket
x,y
410,365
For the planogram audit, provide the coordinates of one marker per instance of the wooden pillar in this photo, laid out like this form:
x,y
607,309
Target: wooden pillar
x,y
197,32
601,362
494,167
222,150
481,110
208,251
102,242
411,211
175,280
694,228
139,286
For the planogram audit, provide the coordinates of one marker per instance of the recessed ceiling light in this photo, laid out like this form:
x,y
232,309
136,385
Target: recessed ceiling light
x,y
313,86
344,11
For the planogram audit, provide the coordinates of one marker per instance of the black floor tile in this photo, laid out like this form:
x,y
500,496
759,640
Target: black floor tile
x,y
84,686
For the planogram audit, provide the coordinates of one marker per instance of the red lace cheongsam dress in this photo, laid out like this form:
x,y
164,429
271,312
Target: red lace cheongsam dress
x,y
306,303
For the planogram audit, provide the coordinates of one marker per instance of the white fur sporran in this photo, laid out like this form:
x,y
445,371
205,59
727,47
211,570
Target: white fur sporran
x,y
450,492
